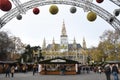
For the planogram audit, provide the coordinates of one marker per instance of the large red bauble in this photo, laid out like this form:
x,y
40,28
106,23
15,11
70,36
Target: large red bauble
x,y
99,1
5,5
0,4
36,11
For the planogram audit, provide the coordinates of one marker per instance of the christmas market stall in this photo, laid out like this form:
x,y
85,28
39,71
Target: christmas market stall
x,y
3,64
58,66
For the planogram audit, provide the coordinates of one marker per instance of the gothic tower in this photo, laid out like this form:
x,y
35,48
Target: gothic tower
x,y
44,44
64,39
53,45
84,44
74,44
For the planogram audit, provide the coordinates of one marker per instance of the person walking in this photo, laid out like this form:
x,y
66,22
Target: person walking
x,y
12,71
24,68
34,69
115,72
62,69
107,71
7,70
100,69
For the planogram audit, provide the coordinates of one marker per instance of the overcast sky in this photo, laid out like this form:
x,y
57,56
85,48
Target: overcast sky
x,y
32,29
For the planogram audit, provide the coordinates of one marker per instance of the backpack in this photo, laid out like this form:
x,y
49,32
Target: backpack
x,y
107,69
115,69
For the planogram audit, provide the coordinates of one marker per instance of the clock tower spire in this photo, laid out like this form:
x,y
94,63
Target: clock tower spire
x,y
64,39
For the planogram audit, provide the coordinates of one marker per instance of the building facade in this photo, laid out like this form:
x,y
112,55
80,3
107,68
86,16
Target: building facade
x,y
72,51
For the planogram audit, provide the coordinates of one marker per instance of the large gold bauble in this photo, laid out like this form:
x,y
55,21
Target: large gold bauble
x,y
53,9
91,16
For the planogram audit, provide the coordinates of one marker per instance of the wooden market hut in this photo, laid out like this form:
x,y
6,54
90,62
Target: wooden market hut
x,y
54,66
4,63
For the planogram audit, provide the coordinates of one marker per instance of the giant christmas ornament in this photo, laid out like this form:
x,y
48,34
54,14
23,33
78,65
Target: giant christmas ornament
x,y
73,9
53,9
99,1
19,17
0,4
91,16
5,5
36,11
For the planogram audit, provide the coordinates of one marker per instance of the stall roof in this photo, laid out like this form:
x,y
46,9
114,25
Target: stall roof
x,y
58,60
8,62
113,61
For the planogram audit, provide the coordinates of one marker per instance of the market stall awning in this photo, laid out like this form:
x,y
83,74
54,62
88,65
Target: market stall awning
x,y
7,62
58,60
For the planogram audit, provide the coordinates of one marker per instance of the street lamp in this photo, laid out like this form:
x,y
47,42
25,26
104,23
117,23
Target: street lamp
x,y
116,37
40,55
37,55
115,49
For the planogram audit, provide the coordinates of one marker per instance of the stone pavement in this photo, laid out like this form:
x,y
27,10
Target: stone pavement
x,y
29,76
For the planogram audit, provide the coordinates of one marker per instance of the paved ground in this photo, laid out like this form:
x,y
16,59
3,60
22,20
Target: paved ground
x,y
29,76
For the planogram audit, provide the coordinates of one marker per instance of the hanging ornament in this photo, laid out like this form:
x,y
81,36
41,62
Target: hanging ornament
x,y
91,16
99,1
73,9
19,17
36,11
5,5
0,3
53,9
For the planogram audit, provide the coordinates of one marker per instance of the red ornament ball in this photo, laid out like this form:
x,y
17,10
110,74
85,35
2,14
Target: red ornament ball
x,y
5,5
99,1
0,4
36,11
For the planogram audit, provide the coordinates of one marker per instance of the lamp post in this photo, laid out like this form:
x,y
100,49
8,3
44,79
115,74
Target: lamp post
x,y
116,37
115,49
40,55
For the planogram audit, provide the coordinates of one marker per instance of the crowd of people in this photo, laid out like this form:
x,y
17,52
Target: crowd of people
x,y
110,70
10,69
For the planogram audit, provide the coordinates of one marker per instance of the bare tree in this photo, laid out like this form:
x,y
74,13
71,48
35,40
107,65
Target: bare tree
x,y
9,45
5,44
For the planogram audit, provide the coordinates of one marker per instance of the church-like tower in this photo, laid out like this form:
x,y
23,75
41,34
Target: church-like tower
x,y
84,44
64,39
53,45
74,44
44,44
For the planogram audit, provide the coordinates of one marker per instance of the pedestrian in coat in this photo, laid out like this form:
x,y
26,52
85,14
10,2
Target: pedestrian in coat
x,y
12,71
107,72
115,72
7,70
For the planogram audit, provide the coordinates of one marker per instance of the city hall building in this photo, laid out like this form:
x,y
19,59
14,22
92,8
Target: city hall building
x,y
64,49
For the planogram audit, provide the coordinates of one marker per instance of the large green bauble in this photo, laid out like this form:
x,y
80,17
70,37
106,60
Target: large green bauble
x,y
91,16
53,9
